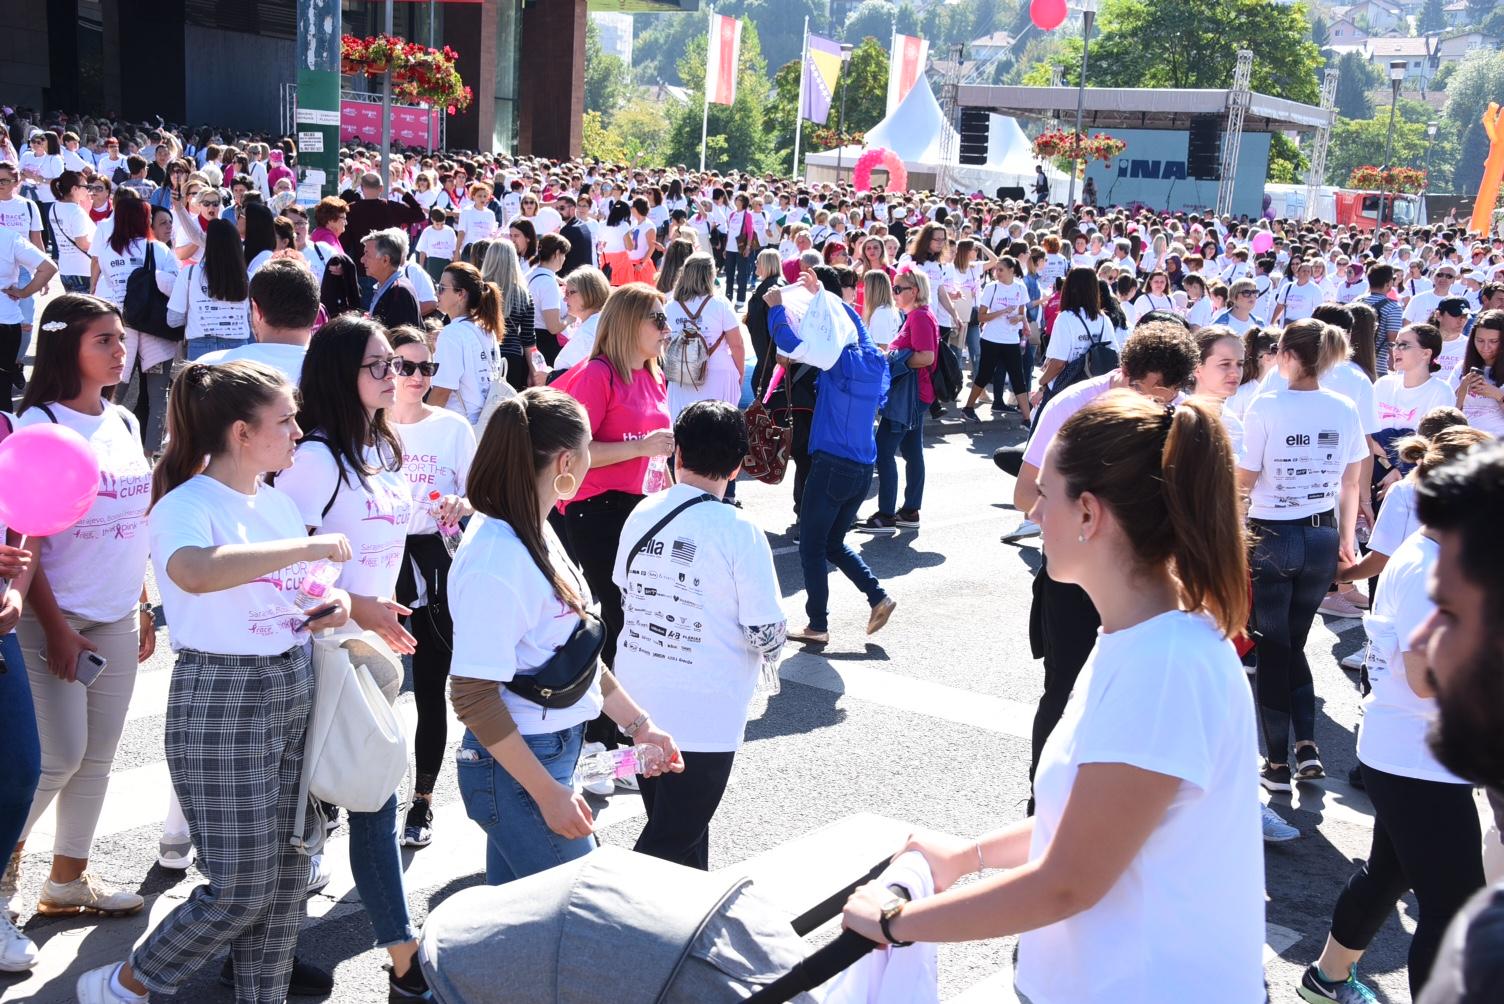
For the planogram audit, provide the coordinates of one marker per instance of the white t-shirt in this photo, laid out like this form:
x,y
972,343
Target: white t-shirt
x,y
373,514
1074,332
1450,357
436,455
1007,298
16,252
475,224
437,242
1482,412
1167,695
1396,520
422,283
208,317
883,325
543,287
115,267
722,381
580,344
1199,314
682,653
1422,305
97,566
49,166
1395,717
1300,301
1234,425
1402,407
261,258
258,618
1300,442
70,223
467,358
21,215
1244,395
548,221
1346,378
288,359
1145,302
508,622
317,255
641,235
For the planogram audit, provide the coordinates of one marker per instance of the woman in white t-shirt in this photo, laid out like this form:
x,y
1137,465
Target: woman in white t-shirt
x,y
1405,394
1450,318
1198,308
1217,375
437,447
585,293
1301,464
1426,833
1155,296
86,593
548,301
476,221
1260,357
469,346
42,161
1141,871
516,598
1478,378
346,477
641,242
1001,308
73,230
212,297
927,254
1080,324
695,303
230,553
879,313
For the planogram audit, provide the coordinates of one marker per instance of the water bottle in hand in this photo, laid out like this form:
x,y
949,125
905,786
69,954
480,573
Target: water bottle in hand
x,y
449,533
656,478
313,591
609,765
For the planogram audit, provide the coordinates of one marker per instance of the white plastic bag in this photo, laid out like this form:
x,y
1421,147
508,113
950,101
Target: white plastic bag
x,y
824,331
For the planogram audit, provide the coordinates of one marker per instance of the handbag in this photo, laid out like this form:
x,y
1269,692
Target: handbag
x,y
145,306
768,444
567,675
355,749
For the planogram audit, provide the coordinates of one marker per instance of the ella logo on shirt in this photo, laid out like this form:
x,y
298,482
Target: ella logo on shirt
x,y
1299,439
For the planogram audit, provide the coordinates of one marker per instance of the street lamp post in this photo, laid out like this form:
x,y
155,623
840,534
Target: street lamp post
x,y
1430,145
1088,9
841,121
1397,69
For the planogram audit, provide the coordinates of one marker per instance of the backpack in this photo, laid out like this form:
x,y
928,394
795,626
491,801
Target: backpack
x,y
145,306
1100,357
945,376
687,356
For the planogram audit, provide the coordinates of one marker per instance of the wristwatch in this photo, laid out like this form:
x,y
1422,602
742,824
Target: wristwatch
x,y
146,609
890,909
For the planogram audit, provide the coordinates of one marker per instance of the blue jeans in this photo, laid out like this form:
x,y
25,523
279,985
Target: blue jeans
x,y
835,489
197,347
20,748
376,863
28,311
890,441
518,841
1292,566
974,343
738,274
75,283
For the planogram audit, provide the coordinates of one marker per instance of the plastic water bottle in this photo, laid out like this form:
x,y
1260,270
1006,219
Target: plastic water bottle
x,y
313,591
623,762
656,478
449,533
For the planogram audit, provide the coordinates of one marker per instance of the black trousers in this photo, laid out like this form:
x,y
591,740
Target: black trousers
x,y
10,364
1063,626
434,631
1426,837
679,808
801,421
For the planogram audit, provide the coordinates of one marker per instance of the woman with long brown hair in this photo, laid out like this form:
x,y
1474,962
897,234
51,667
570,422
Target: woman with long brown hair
x,y
469,349
1142,868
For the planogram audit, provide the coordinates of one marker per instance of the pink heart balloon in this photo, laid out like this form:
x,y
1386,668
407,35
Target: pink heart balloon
x,y
1047,15
48,479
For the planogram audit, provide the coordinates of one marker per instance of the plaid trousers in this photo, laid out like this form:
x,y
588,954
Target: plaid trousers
x,y
235,733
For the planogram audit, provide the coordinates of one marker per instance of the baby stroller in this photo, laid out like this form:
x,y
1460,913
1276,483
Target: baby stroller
x,y
631,929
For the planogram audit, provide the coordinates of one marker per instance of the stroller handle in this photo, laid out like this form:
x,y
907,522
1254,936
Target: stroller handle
x,y
823,965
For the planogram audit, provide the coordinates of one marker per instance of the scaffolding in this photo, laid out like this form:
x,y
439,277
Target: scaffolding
x,y
1238,100
1316,175
950,106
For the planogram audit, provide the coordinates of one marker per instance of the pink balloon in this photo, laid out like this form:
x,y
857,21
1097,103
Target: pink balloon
x,y
1263,240
48,479
1047,15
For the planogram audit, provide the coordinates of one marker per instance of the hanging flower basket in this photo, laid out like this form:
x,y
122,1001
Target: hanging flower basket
x,y
1070,146
420,75
1394,179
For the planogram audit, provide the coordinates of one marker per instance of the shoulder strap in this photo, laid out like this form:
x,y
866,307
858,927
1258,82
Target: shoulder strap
x,y
314,437
665,521
695,314
58,227
48,412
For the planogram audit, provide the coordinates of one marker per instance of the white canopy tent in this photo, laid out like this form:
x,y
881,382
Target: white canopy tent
x,y
917,132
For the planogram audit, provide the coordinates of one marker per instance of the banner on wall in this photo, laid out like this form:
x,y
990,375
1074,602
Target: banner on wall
x,y
411,125
1154,171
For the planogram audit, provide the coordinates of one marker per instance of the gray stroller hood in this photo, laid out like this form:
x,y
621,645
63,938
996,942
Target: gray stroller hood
x,y
610,926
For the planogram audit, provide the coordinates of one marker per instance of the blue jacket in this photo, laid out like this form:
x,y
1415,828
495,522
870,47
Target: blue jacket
x,y
848,394
902,407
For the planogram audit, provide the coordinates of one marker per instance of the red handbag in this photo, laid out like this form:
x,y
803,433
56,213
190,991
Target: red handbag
x,y
768,441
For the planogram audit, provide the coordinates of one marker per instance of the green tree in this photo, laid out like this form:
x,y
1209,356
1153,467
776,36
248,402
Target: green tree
x,y
608,83
643,132
1479,10
871,17
1479,79
1287,165
780,26
1433,17
1319,31
864,84
1356,142
1356,79
597,142
778,117
747,145
656,48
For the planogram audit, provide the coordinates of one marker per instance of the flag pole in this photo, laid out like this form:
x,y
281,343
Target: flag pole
x,y
799,108
705,113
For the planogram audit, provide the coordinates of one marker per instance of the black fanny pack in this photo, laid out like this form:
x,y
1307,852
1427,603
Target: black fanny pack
x,y
566,676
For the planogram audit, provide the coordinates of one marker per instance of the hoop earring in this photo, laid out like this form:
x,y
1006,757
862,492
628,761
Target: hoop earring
x,y
574,485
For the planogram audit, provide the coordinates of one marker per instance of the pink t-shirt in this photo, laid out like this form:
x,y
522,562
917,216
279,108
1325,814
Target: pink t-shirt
x,y
1061,407
922,334
618,413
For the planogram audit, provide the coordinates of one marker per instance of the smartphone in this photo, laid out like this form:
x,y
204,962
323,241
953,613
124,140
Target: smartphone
x,y
88,667
316,613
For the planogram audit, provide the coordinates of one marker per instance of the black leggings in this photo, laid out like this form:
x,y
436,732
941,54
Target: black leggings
x,y
1062,631
10,364
434,631
998,359
1426,837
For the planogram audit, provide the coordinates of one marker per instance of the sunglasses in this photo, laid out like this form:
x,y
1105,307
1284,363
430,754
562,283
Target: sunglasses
x,y
901,287
659,318
407,367
96,188
207,203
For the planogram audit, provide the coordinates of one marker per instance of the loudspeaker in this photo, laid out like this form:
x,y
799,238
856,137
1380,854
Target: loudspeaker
x,y
975,123
1203,158
1010,192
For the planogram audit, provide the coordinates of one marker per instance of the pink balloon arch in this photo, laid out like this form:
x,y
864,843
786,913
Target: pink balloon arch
x,y
898,175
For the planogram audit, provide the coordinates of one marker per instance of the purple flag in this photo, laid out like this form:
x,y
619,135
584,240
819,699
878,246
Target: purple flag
x,y
822,68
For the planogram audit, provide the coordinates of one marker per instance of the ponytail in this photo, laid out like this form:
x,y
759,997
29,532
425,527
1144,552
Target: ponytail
x,y
206,401
1335,348
487,312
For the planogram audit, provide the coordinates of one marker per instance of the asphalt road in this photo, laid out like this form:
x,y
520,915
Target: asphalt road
x,y
927,721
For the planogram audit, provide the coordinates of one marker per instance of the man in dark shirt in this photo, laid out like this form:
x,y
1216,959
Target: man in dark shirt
x,y
393,301
576,233
1391,317
1463,642
372,211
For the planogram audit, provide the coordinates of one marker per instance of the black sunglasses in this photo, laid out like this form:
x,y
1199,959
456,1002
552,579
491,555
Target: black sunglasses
x,y
659,318
408,367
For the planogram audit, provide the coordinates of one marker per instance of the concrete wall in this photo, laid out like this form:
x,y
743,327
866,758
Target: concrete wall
x,y
23,54
232,79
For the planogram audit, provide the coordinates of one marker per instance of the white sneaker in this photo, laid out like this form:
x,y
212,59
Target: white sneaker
x,y
1276,830
10,883
627,784
1339,606
175,853
1028,528
86,894
17,952
605,787
94,987
319,873
1355,660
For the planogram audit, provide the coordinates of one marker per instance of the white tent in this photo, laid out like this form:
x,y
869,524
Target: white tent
x,y
917,131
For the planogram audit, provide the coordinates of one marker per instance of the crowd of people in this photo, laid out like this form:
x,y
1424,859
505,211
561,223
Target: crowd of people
x,y
1231,426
